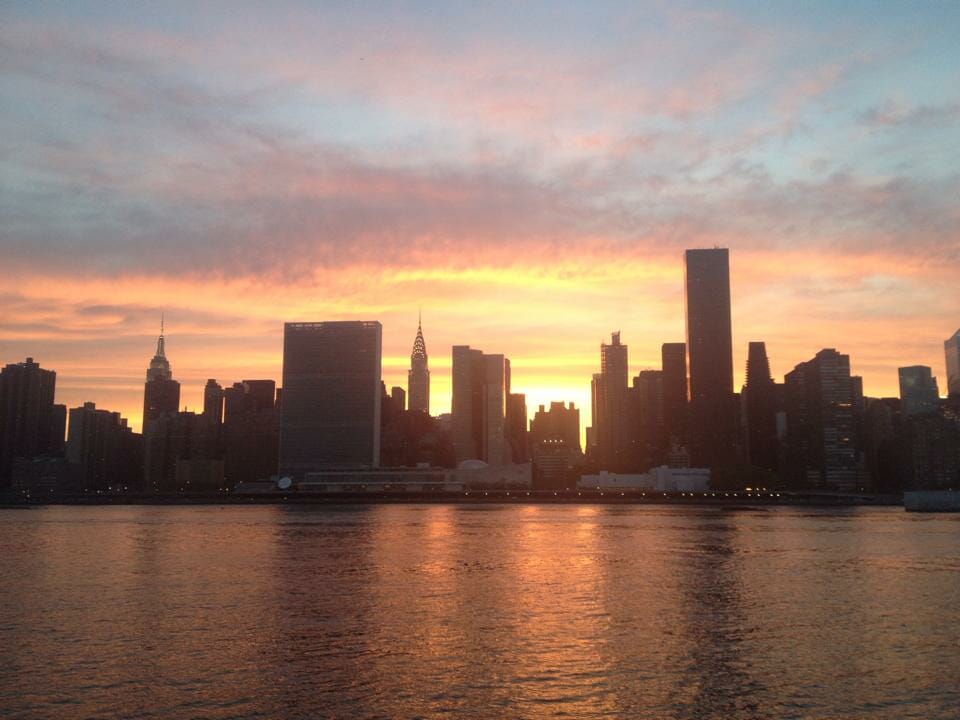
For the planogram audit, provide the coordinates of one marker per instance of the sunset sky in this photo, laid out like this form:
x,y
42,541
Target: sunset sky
x,y
528,174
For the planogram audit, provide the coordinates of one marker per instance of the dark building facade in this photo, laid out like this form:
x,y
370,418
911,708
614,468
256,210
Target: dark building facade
x,y
821,446
712,418
478,406
555,446
649,442
673,363
213,402
560,422
29,421
250,434
399,398
759,398
516,427
919,394
182,454
613,427
102,450
418,377
929,445
330,414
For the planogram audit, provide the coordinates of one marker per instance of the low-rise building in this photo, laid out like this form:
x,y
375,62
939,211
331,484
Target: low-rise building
x,y
659,479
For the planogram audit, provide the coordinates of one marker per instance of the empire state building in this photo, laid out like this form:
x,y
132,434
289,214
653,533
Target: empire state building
x,y
161,393
418,378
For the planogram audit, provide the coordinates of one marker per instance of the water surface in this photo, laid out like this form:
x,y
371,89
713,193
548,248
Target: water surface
x,y
402,611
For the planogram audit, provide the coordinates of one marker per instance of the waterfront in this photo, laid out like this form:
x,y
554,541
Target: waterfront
x,y
478,611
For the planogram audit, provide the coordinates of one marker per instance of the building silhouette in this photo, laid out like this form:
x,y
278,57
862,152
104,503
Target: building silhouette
x,y
250,434
673,363
647,435
759,399
102,450
951,349
712,427
181,453
213,402
516,427
929,451
480,388
820,423
418,377
161,393
399,397
555,445
330,414
560,422
612,426
30,424
597,421
919,394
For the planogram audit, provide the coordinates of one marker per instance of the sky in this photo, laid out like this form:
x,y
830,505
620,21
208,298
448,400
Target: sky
x,y
526,174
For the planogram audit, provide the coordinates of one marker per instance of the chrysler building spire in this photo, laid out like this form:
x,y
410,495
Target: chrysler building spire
x,y
418,378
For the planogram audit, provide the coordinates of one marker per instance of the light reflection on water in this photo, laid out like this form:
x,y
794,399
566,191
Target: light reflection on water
x,y
466,611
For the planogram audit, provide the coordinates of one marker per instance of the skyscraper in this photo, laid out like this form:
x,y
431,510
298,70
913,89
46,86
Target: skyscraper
x,y
673,358
250,436
820,422
516,425
555,445
712,428
597,421
951,349
479,406
648,444
418,377
213,402
918,391
330,415
161,393
398,396
760,409
28,422
613,426
103,450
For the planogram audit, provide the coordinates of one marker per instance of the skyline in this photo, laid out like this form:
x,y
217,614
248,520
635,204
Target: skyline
x,y
530,178
531,409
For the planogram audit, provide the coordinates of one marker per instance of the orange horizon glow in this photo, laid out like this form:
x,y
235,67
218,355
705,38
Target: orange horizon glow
x,y
548,319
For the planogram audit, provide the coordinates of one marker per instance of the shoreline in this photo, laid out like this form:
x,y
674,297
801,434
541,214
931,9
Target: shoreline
x,y
739,500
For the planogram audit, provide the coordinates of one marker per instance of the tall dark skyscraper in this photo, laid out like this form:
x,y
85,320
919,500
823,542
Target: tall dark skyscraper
x,y
712,428
330,415
418,377
516,427
28,421
213,402
759,398
647,441
674,366
613,416
820,422
478,407
951,349
161,393
251,431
